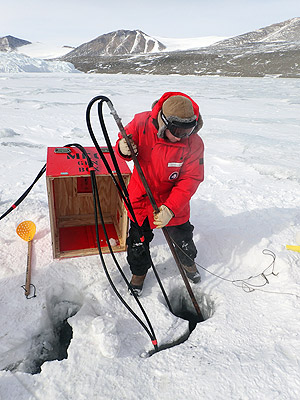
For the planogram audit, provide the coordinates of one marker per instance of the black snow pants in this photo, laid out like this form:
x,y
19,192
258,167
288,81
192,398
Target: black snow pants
x,y
138,254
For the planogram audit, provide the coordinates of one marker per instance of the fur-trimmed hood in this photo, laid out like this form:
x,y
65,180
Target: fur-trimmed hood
x,y
157,107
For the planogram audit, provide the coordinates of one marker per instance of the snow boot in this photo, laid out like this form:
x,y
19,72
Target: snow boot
x,y
192,273
136,284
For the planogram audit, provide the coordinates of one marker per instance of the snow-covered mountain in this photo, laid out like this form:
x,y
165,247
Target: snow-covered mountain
x,y
117,43
161,44
24,56
137,42
286,31
9,43
272,50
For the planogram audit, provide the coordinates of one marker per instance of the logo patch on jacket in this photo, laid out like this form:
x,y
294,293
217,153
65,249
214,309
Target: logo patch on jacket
x,y
174,175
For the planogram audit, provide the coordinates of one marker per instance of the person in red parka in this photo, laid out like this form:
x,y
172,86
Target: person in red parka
x,y
170,153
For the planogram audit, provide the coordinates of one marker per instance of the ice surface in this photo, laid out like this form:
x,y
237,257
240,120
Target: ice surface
x,y
13,62
249,346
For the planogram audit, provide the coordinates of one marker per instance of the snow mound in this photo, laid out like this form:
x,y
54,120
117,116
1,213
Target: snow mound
x,y
12,62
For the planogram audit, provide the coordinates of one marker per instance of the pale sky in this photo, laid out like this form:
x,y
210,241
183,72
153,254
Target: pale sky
x,y
73,22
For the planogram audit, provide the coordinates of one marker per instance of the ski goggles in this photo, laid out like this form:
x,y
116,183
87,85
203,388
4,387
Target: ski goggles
x,y
177,128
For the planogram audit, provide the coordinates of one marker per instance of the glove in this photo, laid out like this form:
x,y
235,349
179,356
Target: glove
x,y
163,217
124,149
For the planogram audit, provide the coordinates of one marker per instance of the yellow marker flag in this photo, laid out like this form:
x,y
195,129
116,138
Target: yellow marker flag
x,y
294,248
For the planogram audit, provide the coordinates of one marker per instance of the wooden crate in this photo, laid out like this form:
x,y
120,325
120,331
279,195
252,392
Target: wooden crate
x,y
71,204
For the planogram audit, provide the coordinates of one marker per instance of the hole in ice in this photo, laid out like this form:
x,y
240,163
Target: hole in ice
x,y
183,307
53,340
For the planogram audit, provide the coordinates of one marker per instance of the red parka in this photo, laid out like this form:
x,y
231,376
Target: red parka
x,y
173,170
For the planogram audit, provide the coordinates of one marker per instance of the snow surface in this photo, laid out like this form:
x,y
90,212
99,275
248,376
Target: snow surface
x,y
249,345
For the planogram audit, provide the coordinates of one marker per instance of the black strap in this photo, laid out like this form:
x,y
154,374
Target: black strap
x,y
24,195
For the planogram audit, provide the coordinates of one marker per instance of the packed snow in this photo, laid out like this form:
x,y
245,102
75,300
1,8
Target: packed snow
x,y
249,344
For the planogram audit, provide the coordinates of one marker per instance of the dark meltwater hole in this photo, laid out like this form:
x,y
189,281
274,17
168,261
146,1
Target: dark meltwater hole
x,y
185,309
50,345
53,339
182,307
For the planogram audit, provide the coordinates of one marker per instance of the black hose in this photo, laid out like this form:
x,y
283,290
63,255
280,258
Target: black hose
x,y
125,194
97,208
20,199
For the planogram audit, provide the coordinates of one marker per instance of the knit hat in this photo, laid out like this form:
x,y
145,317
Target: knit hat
x,y
176,109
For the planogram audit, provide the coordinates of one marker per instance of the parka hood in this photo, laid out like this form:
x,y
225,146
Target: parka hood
x,y
157,106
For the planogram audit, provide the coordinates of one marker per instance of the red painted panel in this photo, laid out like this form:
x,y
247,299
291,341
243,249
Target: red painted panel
x,y
84,237
75,163
84,184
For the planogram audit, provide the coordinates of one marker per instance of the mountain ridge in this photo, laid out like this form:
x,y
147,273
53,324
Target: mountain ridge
x,y
117,43
288,30
271,50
